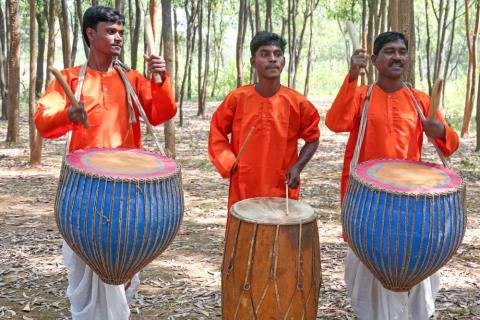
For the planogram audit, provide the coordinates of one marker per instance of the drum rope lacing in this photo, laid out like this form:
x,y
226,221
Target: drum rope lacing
x,y
119,66
363,124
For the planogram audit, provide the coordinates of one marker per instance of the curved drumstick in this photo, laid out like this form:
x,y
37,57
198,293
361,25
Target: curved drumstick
x,y
242,148
352,32
71,97
151,44
435,100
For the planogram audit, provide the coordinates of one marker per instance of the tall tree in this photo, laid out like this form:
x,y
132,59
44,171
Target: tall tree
x,y
268,15
35,140
167,35
200,56
79,11
63,20
177,54
13,129
203,92
136,35
3,67
51,39
242,24
406,26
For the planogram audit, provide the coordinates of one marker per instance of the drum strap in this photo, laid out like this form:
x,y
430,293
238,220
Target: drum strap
x,y
119,66
363,124
423,118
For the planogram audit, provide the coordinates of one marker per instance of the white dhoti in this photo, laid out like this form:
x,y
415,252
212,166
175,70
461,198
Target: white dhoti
x,y
90,297
371,301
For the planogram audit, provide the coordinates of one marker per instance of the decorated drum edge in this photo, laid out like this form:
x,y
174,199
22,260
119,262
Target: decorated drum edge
x,y
122,179
373,187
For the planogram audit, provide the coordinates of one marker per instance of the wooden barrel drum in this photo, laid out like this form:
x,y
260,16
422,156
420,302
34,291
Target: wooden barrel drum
x,y
271,263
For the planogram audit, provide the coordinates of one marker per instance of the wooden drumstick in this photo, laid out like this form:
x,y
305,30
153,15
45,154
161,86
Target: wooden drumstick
x,y
71,97
436,97
242,148
352,32
286,197
151,44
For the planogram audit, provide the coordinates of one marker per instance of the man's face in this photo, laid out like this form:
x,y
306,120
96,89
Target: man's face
x,y
106,38
268,61
392,59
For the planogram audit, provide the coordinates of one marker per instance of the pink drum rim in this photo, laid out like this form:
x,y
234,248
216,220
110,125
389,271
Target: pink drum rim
x,y
79,160
452,180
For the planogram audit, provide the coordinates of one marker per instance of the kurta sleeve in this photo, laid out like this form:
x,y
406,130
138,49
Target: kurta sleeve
x,y
220,149
309,130
157,100
51,118
451,142
345,109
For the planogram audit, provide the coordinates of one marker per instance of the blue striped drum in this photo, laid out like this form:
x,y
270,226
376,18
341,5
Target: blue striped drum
x,y
404,219
118,209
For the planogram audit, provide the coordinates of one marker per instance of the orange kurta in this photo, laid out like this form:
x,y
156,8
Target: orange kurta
x,y
393,130
105,99
279,121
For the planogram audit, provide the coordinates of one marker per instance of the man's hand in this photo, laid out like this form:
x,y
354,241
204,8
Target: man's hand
x,y
358,61
292,178
78,114
434,129
156,64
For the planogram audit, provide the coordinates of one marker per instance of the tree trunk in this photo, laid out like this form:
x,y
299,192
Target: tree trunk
x,y
472,40
120,5
76,31
177,54
268,15
13,130
242,16
51,39
309,57
136,35
65,32
218,39
393,15
78,5
201,111
167,35
200,58
406,26
3,67
35,140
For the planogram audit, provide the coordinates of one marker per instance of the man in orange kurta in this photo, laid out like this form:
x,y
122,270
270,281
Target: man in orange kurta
x,y
393,130
105,120
276,116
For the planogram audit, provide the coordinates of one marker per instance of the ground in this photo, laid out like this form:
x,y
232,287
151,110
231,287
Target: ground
x,y
184,282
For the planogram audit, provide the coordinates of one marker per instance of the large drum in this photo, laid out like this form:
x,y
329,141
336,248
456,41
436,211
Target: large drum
x,y
118,209
404,219
271,263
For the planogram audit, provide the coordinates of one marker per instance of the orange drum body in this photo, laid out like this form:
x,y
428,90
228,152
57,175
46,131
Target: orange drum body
x,y
271,263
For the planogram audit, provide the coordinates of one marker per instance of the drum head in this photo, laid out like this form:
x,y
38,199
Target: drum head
x,y
122,163
273,211
408,176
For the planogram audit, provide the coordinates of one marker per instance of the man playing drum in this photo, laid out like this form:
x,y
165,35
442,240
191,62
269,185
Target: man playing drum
x,y
106,119
393,130
265,121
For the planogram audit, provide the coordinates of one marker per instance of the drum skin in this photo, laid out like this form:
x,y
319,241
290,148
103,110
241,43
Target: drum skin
x,y
270,271
404,236
117,225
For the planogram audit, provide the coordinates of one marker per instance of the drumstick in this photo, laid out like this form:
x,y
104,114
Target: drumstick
x,y
242,148
151,44
435,100
286,196
352,31
71,97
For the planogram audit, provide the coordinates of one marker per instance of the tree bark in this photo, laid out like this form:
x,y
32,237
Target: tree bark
x,y
136,35
78,5
309,56
13,129
35,140
406,26
200,58
3,67
177,54
268,15
51,39
167,35
65,32
242,16
201,109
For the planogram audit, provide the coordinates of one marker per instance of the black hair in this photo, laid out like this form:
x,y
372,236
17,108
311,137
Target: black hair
x,y
96,14
264,38
386,37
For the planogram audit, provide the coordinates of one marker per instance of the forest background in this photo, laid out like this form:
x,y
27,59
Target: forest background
x,y
206,46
